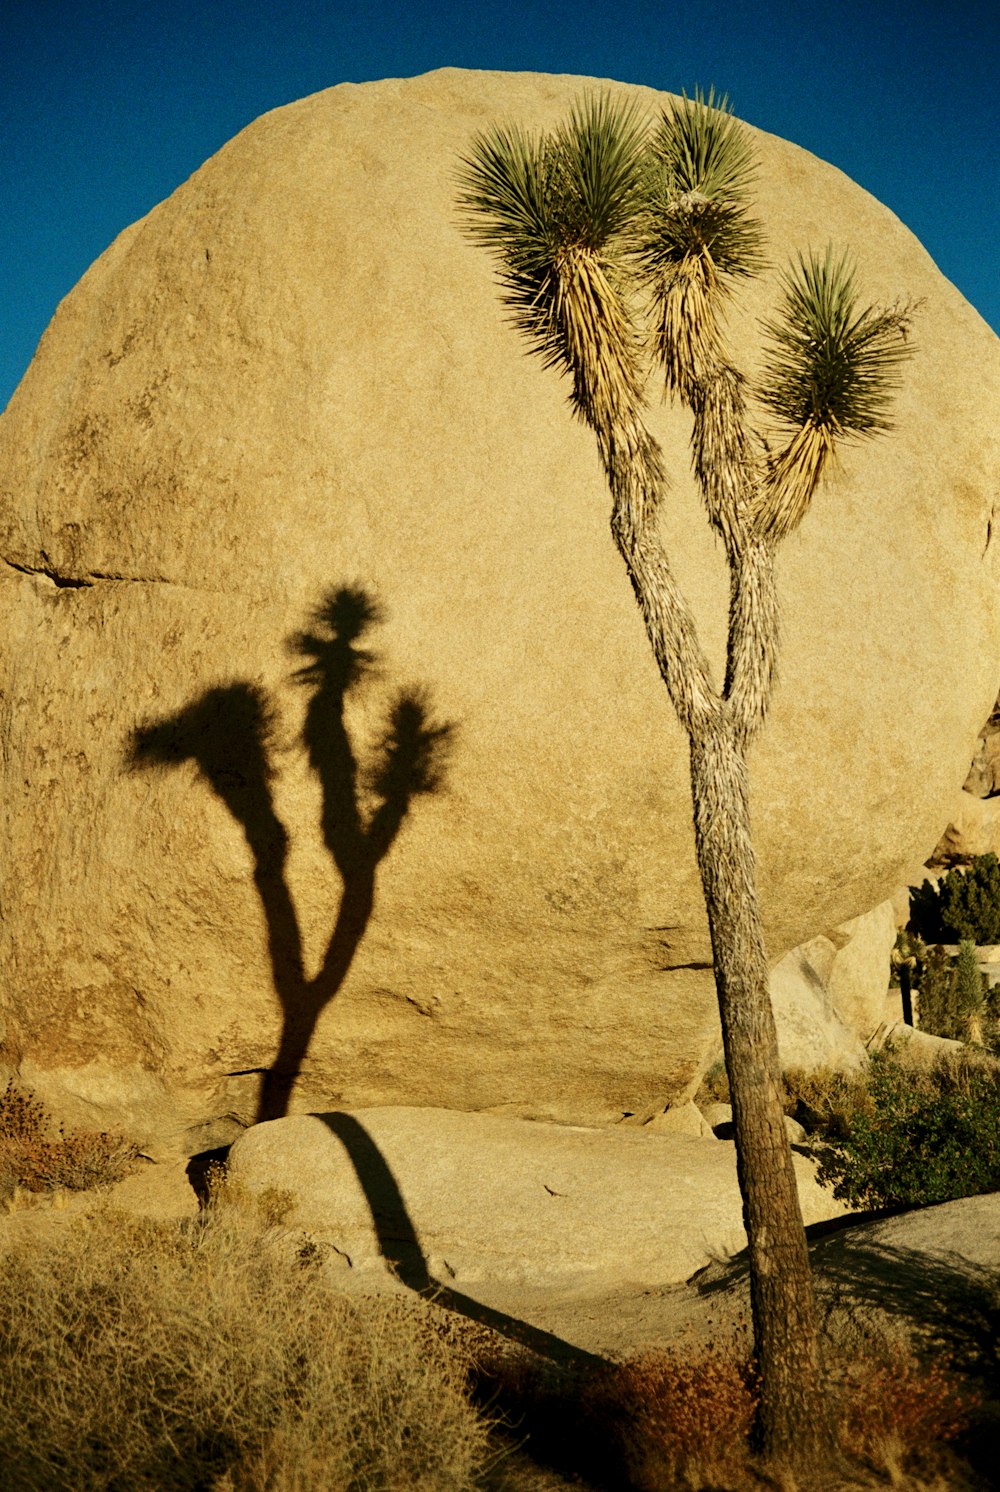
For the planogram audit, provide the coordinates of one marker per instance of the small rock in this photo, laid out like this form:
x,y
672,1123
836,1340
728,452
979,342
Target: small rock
x,y
681,1119
718,1114
918,1048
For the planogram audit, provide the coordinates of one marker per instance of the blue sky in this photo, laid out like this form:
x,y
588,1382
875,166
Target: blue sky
x,y
106,106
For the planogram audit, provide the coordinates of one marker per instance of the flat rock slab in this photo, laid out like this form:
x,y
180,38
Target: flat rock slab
x,y
929,1276
474,1198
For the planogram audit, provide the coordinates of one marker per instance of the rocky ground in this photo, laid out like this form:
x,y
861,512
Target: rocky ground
x,y
932,1271
931,1276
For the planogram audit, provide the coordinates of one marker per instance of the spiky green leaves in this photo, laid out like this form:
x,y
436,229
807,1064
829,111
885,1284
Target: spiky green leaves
x,y
698,233
617,246
702,169
559,214
831,372
832,363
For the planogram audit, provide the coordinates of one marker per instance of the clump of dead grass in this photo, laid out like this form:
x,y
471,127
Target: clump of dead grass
x,y
38,1156
824,1100
899,1415
211,1355
680,1420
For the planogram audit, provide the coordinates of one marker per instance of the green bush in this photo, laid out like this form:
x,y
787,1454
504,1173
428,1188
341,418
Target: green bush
x,y
920,1136
964,904
936,1013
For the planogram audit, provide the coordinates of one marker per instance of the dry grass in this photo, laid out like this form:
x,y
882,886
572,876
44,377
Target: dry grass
x,y
823,1099
39,1157
212,1355
217,1355
680,1420
898,1414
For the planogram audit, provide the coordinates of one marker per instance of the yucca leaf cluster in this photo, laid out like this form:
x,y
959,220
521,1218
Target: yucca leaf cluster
x,y
619,240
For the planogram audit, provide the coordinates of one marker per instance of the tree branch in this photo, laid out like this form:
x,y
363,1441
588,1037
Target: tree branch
x,y
729,471
634,465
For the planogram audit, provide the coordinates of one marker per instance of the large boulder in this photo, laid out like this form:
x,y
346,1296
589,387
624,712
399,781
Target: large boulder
x,y
829,994
449,1198
293,379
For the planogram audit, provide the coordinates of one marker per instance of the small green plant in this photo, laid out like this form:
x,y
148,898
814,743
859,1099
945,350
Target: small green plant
x,y
919,1136
954,999
964,904
36,1155
935,998
970,994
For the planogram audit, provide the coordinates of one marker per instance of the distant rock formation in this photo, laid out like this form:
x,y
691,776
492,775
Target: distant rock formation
x,y
974,825
983,780
447,856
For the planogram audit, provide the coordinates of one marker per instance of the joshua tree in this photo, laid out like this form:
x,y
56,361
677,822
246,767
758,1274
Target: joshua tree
x,y
618,245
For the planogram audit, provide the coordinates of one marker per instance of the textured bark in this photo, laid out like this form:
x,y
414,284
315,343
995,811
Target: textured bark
x,y
794,1425
611,301
793,1422
634,466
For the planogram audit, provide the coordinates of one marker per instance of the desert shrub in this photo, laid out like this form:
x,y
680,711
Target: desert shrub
x,y
936,1012
969,994
40,1157
682,1418
954,1000
821,1099
213,1355
897,1406
678,1418
964,904
824,1100
919,1136
714,1086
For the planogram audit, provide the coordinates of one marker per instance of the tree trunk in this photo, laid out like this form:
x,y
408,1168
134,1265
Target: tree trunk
x,y
794,1423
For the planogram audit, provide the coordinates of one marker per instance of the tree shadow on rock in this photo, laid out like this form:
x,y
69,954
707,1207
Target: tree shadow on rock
x,y
401,1249
229,734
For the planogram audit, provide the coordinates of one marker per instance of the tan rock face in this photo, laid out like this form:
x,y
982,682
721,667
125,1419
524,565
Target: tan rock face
x,y
829,994
292,382
453,1199
973,829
